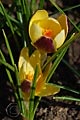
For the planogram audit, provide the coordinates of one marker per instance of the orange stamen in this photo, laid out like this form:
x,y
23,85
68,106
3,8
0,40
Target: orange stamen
x,y
29,77
48,33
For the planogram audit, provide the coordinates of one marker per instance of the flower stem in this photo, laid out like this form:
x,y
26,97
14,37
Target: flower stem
x,y
32,95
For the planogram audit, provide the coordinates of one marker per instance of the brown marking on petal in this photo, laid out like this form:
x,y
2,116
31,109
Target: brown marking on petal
x,y
45,44
25,86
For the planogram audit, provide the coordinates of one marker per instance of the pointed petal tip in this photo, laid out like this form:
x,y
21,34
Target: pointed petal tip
x,y
49,89
63,20
59,39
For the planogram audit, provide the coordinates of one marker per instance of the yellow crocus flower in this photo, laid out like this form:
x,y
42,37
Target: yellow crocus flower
x,y
27,66
47,33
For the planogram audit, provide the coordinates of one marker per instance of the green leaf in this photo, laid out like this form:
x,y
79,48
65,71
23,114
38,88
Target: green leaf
x,y
7,18
8,47
68,89
9,24
7,71
7,65
56,63
71,68
67,98
41,4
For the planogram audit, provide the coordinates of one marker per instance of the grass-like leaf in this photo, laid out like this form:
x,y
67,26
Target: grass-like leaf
x,y
68,89
71,68
33,6
7,65
41,4
7,18
25,16
19,92
8,47
9,24
56,63
25,9
7,71
71,7
66,98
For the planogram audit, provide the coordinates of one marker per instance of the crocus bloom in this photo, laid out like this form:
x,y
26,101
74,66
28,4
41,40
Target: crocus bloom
x,y
27,66
47,33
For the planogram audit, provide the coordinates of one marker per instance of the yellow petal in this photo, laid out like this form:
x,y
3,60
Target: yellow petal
x,y
42,79
26,71
63,21
23,57
59,39
48,89
22,74
50,24
35,58
40,84
39,15
35,32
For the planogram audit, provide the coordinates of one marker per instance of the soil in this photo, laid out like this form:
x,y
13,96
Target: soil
x,y
49,108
